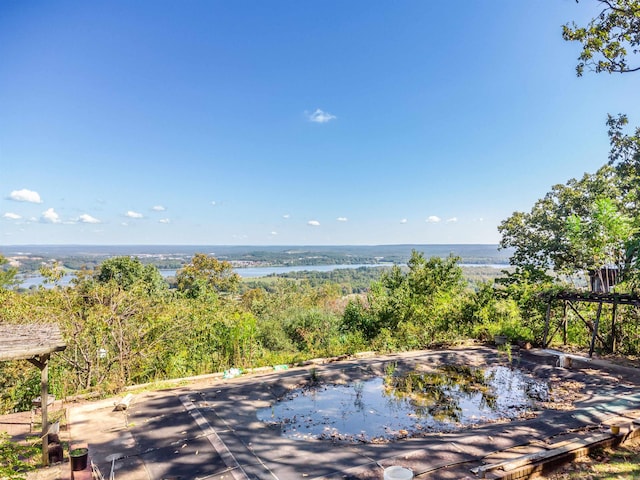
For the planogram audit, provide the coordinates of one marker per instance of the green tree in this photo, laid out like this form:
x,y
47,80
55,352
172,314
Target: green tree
x,y
128,272
540,238
206,274
603,237
358,318
625,158
7,274
611,43
420,305
609,39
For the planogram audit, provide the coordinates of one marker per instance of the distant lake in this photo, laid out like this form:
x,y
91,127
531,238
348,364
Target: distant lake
x,y
257,272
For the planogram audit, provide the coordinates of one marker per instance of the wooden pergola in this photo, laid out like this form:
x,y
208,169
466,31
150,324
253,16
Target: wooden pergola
x,y
569,299
34,343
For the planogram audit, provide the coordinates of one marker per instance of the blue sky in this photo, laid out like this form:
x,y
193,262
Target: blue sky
x,y
291,122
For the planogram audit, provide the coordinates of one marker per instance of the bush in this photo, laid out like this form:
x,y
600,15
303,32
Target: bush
x,y
14,458
311,330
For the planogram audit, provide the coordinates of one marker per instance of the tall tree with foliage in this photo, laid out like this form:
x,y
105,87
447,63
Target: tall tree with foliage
x,y
540,237
610,39
603,238
611,43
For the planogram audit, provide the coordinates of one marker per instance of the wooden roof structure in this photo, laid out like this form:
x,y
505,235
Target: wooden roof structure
x,y
570,297
611,298
24,342
34,343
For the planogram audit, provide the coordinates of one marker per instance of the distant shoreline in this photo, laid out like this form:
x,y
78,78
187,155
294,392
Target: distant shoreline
x,y
29,258
133,249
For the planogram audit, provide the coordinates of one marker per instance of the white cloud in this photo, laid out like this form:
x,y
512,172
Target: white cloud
x,y
404,220
320,116
313,223
86,218
164,220
50,216
12,216
452,220
158,208
132,214
433,219
274,233
342,219
25,195
213,202
286,215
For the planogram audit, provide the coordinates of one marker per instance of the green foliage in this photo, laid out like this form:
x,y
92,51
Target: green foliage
x,y
19,384
311,330
625,158
51,273
7,274
602,238
206,275
607,42
530,294
119,331
348,280
584,224
419,306
14,459
609,38
358,318
593,222
489,312
280,295
540,238
129,273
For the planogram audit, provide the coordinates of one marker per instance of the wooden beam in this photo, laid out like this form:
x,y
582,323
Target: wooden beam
x,y
586,322
36,362
620,298
564,323
519,462
613,327
545,340
595,331
44,394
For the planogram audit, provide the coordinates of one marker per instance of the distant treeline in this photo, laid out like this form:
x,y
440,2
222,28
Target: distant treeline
x,y
358,280
350,280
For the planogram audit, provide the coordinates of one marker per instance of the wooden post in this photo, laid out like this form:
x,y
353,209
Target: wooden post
x,y
546,325
44,400
595,330
564,322
613,324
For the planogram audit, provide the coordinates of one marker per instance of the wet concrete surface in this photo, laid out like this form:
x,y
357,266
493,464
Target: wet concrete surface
x,y
210,429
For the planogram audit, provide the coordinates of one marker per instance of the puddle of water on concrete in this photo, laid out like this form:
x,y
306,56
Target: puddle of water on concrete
x,y
386,408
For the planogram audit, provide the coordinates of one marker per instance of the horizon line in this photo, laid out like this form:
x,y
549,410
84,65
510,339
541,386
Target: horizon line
x,y
232,244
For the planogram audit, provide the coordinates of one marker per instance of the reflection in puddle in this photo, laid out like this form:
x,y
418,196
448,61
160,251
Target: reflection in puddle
x,y
397,406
